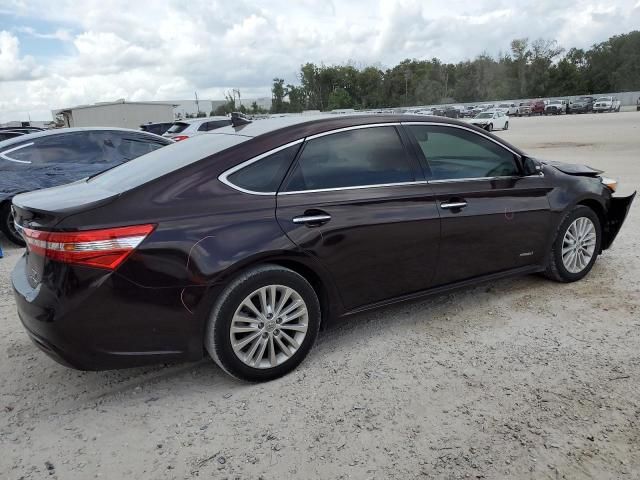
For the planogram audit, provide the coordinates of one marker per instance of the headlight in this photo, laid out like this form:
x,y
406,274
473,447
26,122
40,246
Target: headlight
x,y
610,183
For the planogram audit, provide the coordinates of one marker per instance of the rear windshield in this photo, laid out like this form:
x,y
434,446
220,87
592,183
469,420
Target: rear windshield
x,y
163,161
178,127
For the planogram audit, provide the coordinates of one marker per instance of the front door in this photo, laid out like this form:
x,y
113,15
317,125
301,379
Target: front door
x,y
352,201
493,218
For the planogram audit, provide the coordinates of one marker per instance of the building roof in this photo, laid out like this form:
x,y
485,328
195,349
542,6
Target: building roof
x,y
117,102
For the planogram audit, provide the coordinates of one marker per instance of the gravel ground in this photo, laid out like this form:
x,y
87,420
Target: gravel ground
x,y
519,378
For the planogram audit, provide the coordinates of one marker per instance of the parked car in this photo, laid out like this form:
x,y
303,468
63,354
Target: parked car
x,y
195,126
607,104
510,109
157,128
7,134
538,107
556,107
524,108
491,120
24,130
468,111
55,157
582,105
242,243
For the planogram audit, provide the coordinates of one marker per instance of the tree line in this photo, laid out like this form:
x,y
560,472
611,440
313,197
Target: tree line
x,y
532,69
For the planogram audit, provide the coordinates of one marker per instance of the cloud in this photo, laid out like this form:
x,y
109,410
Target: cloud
x,y
12,65
168,49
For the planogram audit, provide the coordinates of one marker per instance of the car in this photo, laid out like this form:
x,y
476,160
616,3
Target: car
x,y
54,157
556,107
538,107
7,134
510,109
524,108
187,128
582,105
468,111
491,120
606,104
157,128
241,243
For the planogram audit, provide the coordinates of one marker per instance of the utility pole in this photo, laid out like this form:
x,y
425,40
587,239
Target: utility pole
x,y
197,105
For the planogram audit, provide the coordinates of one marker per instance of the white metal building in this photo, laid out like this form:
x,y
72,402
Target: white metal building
x,y
116,114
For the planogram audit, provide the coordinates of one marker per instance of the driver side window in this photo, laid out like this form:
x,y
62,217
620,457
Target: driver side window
x,y
453,153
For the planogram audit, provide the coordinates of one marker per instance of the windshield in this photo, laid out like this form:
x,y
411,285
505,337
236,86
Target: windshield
x,y
554,102
504,105
604,99
163,161
485,115
178,127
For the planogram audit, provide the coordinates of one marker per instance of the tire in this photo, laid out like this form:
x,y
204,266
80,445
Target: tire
x,y
265,352
490,127
506,125
562,270
7,226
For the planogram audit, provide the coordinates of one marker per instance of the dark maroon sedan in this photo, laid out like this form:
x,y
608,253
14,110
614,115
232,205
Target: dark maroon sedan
x,y
244,241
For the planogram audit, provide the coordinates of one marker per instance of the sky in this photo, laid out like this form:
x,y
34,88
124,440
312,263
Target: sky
x,y
56,54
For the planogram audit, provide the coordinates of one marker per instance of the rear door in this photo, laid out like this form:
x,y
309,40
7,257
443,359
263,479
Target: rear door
x,y
356,200
493,217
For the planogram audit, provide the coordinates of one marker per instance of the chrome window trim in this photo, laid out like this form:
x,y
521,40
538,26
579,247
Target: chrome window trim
x,y
353,127
3,155
223,177
356,187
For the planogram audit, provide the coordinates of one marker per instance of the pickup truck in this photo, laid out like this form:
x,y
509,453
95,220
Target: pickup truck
x,y
537,106
510,109
556,107
606,104
582,105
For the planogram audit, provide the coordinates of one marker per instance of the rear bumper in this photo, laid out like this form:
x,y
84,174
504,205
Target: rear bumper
x,y
105,321
616,215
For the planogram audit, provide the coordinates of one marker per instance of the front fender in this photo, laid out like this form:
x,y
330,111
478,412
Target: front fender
x,y
616,215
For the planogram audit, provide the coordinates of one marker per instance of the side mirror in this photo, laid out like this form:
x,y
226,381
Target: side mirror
x,y
531,166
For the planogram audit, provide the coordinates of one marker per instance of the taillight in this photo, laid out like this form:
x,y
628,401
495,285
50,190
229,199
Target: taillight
x,y
177,138
106,248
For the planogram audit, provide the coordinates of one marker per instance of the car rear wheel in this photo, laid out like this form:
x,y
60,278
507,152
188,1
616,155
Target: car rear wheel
x,y
263,324
576,246
7,226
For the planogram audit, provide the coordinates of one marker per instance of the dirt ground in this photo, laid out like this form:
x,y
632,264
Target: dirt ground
x,y
520,378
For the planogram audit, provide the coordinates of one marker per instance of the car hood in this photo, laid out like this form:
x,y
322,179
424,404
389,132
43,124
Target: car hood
x,y
573,168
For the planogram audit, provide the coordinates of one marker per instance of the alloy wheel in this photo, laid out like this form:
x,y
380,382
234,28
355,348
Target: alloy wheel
x,y
578,245
269,326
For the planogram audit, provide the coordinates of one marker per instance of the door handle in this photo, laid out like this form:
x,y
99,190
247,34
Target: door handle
x,y
312,220
453,205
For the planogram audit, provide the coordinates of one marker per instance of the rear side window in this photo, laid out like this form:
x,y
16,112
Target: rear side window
x,y
361,157
453,153
266,174
178,127
212,125
128,146
79,147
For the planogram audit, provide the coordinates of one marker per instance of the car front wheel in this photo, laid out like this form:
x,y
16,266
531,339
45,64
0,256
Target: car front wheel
x,y
506,126
263,324
576,246
7,226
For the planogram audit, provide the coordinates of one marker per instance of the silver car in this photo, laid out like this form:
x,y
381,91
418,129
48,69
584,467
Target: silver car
x,y
191,127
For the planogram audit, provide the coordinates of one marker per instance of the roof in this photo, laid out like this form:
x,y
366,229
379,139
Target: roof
x,y
107,104
288,128
60,131
202,119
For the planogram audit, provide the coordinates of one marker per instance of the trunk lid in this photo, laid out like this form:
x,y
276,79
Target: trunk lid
x,y
45,209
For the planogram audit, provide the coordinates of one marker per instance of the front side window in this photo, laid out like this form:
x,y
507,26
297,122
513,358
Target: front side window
x,y
453,153
360,157
266,174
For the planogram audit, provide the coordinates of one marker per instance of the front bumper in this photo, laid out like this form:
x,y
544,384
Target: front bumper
x,y
616,215
97,321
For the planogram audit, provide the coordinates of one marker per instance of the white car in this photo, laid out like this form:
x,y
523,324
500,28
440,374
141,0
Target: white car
x,y
190,127
509,109
491,120
606,104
